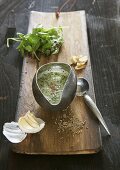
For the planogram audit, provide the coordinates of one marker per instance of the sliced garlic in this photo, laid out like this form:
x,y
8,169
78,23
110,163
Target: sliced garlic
x,y
13,133
30,124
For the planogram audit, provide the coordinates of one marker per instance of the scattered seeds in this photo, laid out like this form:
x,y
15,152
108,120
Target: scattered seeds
x,y
64,116
70,124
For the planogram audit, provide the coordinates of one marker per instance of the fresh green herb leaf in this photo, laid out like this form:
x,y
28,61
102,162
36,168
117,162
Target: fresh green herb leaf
x,y
42,40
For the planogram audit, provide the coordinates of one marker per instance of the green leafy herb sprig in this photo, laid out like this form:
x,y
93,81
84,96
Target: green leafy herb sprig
x,y
45,41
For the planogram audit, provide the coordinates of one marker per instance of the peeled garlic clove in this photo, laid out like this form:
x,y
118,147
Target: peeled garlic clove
x,y
81,64
83,59
13,133
79,67
74,59
31,124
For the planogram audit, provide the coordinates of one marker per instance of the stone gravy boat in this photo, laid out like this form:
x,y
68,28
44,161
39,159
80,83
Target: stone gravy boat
x,y
68,92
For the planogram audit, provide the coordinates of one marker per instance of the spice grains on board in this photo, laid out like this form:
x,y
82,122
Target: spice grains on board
x,y
69,123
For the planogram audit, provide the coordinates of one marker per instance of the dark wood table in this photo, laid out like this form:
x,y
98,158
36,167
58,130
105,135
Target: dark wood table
x,y
103,22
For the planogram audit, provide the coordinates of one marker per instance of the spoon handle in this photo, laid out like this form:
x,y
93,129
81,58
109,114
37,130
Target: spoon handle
x,y
96,111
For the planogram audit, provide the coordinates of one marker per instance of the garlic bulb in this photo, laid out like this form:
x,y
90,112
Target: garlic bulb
x,y
16,132
13,133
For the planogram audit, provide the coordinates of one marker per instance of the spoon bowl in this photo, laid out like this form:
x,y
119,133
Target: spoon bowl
x,y
82,86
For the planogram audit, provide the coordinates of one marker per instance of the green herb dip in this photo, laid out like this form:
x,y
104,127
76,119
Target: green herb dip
x,y
51,83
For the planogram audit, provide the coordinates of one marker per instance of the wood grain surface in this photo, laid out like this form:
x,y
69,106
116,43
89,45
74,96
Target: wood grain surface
x,y
54,139
104,43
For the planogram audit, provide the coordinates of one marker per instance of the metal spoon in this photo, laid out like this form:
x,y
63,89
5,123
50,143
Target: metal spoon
x,y
82,88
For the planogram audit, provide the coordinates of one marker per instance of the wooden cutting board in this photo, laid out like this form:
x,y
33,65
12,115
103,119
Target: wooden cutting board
x,y
74,130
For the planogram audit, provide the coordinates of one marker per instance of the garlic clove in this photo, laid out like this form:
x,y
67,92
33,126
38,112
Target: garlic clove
x,y
83,59
74,59
80,66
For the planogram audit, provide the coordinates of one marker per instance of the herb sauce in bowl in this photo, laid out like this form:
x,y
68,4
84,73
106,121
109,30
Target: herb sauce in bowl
x,y
51,83
54,86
